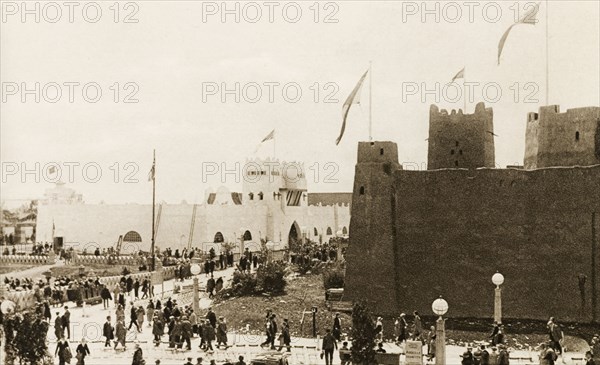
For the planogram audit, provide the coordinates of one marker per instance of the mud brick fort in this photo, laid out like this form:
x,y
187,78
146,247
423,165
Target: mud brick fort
x,y
415,235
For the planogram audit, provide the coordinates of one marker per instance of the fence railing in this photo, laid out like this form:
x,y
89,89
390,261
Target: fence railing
x,y
26,259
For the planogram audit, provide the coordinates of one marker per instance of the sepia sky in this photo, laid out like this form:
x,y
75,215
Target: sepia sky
x,y
177,51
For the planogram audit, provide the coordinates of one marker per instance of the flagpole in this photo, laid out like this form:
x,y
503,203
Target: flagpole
x,y
547,61
465,90
274,139
370,103
153,206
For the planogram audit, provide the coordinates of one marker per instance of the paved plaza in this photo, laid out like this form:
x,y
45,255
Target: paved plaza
x,y
87,322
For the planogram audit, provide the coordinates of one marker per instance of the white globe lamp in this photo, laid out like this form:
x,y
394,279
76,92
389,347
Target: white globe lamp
x,y
498,279
439,306
195,269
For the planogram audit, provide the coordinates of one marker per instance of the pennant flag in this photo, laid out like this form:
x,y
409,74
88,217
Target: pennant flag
x,y
151,173
269,136
528,18
353,98
459,75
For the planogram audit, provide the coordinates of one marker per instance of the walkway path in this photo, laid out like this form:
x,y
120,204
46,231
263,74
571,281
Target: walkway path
x,y
33,272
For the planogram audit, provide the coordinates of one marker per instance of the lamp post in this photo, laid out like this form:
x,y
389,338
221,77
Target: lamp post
x,y
440,307
195,270
498,279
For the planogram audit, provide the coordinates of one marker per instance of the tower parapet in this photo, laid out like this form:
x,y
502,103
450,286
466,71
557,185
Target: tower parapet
x,y
459,140
562,139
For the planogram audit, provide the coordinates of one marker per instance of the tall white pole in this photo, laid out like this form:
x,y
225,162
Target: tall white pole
x,y
465,89
547,60
274,141
370,103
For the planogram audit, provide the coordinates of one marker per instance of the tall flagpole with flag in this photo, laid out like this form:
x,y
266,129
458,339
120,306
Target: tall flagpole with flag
x,y
370,103
461,75
152,177
528,18
268,137
353,98
547,59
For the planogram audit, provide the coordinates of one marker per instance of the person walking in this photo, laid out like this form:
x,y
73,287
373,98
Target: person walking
x,y
431,343
47,311
150,312
209,333
503,357
136,289
484,356
133,317
116,292
328,346
556,335
221,333
81,352
108,331
106,297
138,356
58,326
379,329
158,329
467,357
285,338
417,327
66,322
63,351
400,329
121,334
210,286
186,332
140,317
337,327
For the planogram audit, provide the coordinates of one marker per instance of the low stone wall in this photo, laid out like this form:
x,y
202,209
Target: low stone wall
x,y
23,299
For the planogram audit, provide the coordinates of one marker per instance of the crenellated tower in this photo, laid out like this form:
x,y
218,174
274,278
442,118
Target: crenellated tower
x,y
562,139
458,140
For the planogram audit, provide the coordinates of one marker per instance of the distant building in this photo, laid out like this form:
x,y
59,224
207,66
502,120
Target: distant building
x,y
274,206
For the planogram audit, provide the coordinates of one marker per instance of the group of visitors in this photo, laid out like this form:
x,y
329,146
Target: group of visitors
x,y
313,251
37,249
272,329
180,323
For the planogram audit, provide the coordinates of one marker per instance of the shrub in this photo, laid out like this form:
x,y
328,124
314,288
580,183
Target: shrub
x,y
363,335
125,271
25,336
333,278
271,277
244,284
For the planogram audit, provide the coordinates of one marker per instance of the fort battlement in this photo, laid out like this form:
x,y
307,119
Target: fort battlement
x,y
459,140
562,139
416,235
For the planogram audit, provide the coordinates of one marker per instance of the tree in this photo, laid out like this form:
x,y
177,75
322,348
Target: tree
x,y
363,335
26,339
